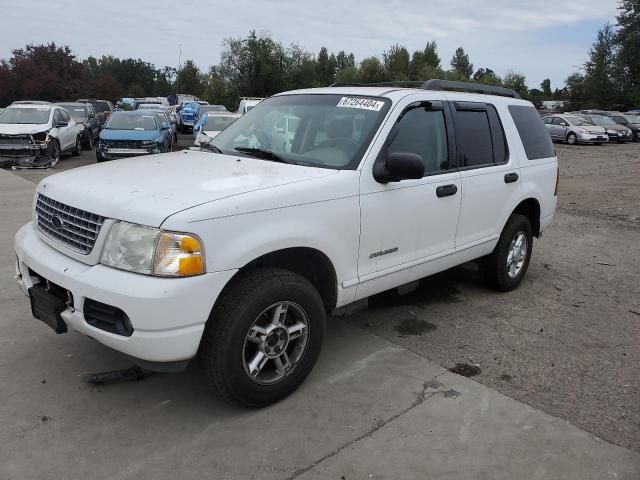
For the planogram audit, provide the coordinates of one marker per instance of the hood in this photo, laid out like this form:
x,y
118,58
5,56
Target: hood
x,y
211,133
593,129
107,134
618,128
146,190
19,128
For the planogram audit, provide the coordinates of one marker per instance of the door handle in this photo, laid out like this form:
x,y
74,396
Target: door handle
x,y
511,177
446,191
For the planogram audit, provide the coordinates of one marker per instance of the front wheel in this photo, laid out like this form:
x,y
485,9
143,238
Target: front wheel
x,y
572,139
56,153
505,268
76,148
263,337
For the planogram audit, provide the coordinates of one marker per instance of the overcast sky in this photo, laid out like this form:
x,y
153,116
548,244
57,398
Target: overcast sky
x,y
540,38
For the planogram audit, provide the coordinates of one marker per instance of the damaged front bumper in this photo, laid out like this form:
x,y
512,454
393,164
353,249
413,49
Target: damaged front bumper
x,y
22,151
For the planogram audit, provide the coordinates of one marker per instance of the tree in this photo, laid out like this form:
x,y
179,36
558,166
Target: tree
x,y
576,92
327,66
599,82
189,79
43,72
425,58
108,88
396,62
461,65
372,70
627,41
487,77
546,88
518,82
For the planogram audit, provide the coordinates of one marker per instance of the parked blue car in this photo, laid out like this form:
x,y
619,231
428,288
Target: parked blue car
x,y
188,114
132,134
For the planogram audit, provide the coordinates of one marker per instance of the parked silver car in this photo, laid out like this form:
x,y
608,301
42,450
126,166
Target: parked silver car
x,y
574,129
616,133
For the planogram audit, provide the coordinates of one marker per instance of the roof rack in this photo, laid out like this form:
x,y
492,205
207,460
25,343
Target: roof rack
x,y
440,85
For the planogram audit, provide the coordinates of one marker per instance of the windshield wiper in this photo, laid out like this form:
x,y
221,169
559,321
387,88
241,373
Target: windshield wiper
x,y
210,146
262,153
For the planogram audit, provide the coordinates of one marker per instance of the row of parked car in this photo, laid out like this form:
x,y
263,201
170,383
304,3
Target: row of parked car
x,y
593,127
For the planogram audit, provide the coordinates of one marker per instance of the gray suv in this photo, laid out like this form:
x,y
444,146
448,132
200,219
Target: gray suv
x,y
574,129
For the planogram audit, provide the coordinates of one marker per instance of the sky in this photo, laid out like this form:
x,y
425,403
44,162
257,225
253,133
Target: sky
x,y
540,38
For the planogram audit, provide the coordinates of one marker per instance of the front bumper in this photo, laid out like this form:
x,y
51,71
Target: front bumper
x,y
188,122
167,315
115,153
593,138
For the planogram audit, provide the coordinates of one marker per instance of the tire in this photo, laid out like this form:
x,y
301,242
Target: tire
x,y
99,157
246,311
76,148
88,145
500,272
56,154
572,139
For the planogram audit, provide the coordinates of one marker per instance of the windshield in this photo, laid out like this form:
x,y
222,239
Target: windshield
x,y
131,122
77,112
632,118
150,106
602,120
216,123
191,106
212,108
25,115
579,121
329,131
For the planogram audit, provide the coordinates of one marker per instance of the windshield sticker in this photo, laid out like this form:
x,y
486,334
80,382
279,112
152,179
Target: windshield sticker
x,y
361,103
79,110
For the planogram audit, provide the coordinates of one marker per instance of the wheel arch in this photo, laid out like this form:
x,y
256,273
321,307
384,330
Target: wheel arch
x,y
530,208
307,262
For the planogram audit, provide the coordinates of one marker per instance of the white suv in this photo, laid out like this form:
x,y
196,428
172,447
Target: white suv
x,y
36,134
238,251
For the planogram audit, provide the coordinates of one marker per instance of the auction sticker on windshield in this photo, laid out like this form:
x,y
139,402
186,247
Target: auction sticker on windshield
x,y
361,103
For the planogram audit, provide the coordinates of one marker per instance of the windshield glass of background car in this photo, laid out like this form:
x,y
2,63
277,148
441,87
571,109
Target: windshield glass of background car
x,y
580,122
101,107
218,123
330,131
25,115
79,114
131,122
632,118
603,121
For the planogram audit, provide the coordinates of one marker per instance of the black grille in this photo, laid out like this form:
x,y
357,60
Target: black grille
x,y
107,318
124,143
71,226
15,139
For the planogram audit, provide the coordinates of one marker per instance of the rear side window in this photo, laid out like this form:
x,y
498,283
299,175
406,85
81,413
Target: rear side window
x,y
534,135
473,136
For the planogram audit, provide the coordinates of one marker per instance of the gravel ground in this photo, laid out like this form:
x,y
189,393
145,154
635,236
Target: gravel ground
x,y
567,340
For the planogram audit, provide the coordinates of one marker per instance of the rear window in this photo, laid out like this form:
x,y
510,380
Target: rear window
x,y
534,135
101,107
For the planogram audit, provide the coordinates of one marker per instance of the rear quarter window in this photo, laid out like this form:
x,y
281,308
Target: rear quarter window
x,y
533,133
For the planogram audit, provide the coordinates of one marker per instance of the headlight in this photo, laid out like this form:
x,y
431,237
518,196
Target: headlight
x,y
151,251
82,128
149,143
42,137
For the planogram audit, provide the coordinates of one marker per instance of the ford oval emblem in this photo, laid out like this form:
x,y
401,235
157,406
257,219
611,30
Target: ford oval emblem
x,y
57,222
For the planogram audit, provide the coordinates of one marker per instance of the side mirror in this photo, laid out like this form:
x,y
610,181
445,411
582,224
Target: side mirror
x,y
92,115
61,124
400,166
165,126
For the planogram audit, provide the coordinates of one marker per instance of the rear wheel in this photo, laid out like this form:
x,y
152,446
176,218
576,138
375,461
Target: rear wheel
x,y
89,143
263,337
507,265
572,139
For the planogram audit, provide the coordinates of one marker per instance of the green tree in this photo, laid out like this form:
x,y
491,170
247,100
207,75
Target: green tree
x,y
372,70
546,88
487,77
327,66
424,58
461,65
575,94
518,82
628,51
189,79
396,62
599,84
